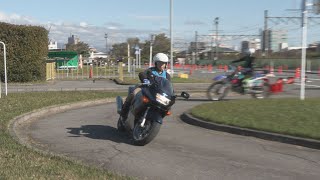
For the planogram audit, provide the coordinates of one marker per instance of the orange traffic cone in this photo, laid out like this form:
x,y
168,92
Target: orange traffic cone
x,y
91,71
225,68
279,84
280,69
297,74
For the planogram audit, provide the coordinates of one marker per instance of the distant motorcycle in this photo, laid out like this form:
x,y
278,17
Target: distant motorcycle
x,y
257,86
147,110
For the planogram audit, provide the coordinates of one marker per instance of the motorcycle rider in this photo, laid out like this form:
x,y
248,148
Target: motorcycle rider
x,y
247,66
248,59
160,61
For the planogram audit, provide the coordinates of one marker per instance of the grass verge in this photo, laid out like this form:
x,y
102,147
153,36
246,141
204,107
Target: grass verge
x,y
285,116
19,162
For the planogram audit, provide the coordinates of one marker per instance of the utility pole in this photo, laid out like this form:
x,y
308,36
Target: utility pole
x,y
304,23
216,20
106,37
196,48
265,33
151,44
277,20
129,61
211,54
171,37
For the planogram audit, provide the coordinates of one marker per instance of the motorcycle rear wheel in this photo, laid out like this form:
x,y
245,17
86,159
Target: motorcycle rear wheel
x,y
217,91
144,135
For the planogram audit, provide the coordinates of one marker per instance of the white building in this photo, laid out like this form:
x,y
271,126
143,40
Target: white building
x,y
53,45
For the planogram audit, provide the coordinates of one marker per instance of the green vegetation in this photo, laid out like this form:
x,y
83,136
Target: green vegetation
x,y
26,48
285,116
19,162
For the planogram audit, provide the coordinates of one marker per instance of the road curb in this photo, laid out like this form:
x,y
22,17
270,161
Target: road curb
x,y
310,143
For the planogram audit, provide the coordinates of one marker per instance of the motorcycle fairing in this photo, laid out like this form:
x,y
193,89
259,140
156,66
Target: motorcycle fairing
x,y
219,77
155,116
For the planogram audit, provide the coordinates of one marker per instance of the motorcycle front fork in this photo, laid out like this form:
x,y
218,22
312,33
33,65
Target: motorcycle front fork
x,y
144,117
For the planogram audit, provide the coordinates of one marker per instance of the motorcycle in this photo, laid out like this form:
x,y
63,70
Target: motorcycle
x,y
147,110
257,85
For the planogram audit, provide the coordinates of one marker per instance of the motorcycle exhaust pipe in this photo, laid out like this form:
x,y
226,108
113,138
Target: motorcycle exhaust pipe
x,y
119,104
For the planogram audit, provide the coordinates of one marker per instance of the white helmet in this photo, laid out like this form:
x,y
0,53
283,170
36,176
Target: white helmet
x,y
250,51
160,57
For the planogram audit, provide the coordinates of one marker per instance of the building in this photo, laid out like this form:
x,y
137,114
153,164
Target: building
x,y
252,44
73,39
196,47
272,39
53,45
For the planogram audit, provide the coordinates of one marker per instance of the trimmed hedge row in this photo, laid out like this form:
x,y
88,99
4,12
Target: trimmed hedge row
x,y
27,49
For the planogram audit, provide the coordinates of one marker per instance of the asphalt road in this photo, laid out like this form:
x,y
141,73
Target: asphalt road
x,y
180,151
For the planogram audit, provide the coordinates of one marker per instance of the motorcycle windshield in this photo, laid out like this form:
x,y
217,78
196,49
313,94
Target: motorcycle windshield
x,y
162,86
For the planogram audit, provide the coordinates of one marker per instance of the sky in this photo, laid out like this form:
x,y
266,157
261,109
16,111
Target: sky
x,y
122,19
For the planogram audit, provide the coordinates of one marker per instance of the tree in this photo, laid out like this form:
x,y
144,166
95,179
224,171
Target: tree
x,y
80,48
160,44
121,49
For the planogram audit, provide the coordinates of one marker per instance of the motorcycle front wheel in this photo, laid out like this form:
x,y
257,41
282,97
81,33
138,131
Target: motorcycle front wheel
x,y
264,92
120,125
217,91
144,135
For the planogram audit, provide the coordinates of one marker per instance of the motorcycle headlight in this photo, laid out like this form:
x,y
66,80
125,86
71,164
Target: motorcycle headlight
x,y
162,99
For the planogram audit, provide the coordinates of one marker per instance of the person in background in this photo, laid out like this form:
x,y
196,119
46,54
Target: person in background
x,y
248,62
247,69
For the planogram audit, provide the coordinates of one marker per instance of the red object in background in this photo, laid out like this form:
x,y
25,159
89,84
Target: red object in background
x,y
290,80
225,68
280,69
235,81
91,72
190,72
297,74
278,86
274,88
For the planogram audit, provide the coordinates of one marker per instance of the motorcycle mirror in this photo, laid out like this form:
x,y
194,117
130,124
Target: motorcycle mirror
x,y
185,95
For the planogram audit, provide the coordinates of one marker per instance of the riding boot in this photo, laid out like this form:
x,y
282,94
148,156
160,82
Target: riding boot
x,y
126,107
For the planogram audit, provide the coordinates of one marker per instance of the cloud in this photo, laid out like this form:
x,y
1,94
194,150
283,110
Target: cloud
x,y
16,19
194,22
93,35
84,24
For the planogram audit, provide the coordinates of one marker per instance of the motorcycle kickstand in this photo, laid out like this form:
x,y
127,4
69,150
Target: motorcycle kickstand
x,y
144,117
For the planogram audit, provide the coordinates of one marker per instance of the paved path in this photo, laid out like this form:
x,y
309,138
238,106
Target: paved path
x,y
180,151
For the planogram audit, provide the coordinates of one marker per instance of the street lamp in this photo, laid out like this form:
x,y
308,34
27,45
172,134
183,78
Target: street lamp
x,y
151,43
5,69
139,58
137,52
171,37
216,20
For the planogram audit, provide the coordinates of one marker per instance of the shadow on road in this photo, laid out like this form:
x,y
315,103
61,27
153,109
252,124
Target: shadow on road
x,y
100,132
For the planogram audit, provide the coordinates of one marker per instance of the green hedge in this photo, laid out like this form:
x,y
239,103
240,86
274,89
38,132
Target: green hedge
x,y
27,49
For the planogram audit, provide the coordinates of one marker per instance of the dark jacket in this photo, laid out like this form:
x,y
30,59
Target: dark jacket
x,y
248,61
147,74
